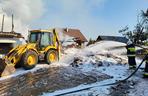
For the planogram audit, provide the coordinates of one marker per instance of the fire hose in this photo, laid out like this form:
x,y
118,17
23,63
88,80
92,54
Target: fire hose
x,y
118,82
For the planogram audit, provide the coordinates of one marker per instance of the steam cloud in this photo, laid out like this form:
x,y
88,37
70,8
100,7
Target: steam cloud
x,y
24,12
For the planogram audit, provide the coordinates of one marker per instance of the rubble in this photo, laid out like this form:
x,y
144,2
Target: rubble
x,y
121,89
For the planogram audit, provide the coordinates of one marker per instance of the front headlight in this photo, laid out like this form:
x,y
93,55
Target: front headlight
x,y
1,56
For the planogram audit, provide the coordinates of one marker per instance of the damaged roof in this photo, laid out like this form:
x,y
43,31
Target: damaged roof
x,y
75,33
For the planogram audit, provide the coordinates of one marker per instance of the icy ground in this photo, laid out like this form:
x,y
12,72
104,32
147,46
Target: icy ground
x,y
106,57
101,57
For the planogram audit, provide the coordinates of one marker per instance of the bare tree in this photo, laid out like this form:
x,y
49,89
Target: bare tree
x,y
140,34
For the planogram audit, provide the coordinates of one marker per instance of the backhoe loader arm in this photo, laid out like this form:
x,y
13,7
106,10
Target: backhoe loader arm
x,y
9,61
15,55
58,45
12,58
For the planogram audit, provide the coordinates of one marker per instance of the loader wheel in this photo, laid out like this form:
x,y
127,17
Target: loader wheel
x,y
51,56
29,59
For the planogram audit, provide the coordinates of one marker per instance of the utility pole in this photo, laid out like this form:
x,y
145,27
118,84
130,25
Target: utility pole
x,y
2,28
12,30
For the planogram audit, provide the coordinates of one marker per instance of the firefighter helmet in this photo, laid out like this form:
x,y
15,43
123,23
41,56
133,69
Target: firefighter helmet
x,y
129,42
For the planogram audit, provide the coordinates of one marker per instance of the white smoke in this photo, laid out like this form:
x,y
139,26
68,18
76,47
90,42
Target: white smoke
x,y
24,11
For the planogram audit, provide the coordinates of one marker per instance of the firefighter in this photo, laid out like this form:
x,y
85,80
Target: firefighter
x,y
146,67
131,53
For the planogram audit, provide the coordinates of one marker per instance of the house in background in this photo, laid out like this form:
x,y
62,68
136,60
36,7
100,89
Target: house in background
x,y
79,38
9,40
112,38
72,37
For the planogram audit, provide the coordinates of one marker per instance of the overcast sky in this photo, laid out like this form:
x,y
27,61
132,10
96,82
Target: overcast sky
x,y
92,17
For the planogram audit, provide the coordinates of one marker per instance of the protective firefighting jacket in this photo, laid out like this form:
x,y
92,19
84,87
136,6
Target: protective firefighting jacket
x,y
131,51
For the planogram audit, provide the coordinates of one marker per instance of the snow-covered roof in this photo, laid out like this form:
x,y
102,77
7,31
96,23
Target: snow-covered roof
x,y
113,38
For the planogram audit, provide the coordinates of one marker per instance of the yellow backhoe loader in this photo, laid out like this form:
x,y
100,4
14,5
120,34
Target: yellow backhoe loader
x,y
41,45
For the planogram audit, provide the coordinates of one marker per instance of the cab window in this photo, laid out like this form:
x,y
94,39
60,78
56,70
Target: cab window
x,y
46,39
33,37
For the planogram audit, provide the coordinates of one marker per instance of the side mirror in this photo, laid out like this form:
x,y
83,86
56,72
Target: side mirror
x,y
27,41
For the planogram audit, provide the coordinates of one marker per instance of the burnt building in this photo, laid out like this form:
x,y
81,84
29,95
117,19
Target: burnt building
x,y
78,37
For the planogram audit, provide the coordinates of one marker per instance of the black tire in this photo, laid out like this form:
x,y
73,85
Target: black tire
x,y
48,61
18,65
24,59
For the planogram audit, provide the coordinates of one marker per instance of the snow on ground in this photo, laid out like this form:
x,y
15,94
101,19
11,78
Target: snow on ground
x,y
102,47
21,71
95,58
105,56
141,88
118,73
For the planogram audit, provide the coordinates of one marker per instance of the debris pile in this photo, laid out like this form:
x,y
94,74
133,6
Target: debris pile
x,y
122,89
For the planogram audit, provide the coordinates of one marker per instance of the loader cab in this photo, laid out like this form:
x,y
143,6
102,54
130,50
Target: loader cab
x,y
41,38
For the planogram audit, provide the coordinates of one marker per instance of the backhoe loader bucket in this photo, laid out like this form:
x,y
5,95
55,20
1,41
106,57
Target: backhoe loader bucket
x,y
6,69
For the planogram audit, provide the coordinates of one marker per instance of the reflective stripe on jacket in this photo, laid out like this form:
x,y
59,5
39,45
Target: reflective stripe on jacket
x,y
131,55
131,51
